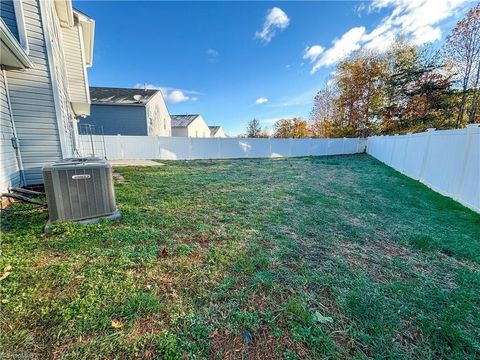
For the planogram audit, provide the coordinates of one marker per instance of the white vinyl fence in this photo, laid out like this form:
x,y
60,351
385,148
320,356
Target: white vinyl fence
x,y
183,148
448,161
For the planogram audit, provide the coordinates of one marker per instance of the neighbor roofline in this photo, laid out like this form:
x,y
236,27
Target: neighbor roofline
x,y
117,104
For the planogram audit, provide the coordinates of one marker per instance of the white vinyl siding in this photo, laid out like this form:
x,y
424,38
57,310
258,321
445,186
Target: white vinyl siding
x,y
158,117
9,171
75,67
33,104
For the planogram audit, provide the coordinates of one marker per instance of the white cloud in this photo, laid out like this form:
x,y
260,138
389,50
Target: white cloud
x,y
212,54
348,43
417,20
261,100
275,20
176,96
313,52
172,95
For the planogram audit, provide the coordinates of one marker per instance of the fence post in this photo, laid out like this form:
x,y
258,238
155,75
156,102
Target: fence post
x,y
189,148
405,152
119,147
395,137
219,149
470,131
430,132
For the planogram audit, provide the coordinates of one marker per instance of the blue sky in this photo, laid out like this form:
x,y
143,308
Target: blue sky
x,y
233,61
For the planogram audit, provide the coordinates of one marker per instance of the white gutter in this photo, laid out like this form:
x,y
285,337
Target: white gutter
x,y
12,44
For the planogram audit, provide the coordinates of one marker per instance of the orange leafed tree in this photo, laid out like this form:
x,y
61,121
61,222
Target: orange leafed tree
x,y
291,128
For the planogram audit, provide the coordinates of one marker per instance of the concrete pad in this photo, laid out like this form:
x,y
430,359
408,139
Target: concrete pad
x,y
134,162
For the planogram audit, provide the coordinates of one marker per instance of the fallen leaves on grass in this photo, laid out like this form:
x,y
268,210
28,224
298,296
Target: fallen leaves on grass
x,y
117,324
6,272
163,253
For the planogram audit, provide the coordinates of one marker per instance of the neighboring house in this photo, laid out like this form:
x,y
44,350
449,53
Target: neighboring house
x,y
189,126
217,132
45,47
128,112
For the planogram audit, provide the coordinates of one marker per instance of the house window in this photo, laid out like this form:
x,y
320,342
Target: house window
x,y
196,133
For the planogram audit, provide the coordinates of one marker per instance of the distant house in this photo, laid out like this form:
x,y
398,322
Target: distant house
x,y
45,49
128,112
217,132
189,126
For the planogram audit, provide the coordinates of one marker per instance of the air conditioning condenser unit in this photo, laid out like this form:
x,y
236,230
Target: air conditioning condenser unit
x,y
80,189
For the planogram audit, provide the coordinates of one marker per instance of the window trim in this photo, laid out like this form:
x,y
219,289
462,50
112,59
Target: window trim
x,y
21,25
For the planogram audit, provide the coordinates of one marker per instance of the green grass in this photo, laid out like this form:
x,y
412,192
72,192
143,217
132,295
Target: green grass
x,y
289,258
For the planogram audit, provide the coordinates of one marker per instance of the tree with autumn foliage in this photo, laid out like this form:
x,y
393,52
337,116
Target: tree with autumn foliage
x,y
361,85
295,128
463,50
323,115
418,90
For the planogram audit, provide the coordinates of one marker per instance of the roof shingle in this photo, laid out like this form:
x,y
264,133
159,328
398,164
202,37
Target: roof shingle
x,y
183,120
120,96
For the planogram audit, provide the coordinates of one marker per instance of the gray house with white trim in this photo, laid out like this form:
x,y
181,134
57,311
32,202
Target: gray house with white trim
x,y
46,46
123,111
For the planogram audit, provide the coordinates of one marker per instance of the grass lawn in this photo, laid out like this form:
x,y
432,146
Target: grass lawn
x,y
290,258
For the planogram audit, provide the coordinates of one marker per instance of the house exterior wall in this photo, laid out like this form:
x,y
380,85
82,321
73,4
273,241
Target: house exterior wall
x,y
7,13
58,71
118,119
32,99
41,106
9,171
75,66
158,118
220,133
198,128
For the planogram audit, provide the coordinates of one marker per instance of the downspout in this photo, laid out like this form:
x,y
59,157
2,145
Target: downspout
x,y
14,139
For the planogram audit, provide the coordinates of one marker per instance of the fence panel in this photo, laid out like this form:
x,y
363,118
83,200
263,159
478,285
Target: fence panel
x,y
448,161
183,148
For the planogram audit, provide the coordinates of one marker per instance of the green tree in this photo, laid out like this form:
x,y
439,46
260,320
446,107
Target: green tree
x,y
254,129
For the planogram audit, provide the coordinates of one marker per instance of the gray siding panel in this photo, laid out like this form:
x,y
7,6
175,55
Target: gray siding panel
x,y
7,13
118,119
9,171
37,129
